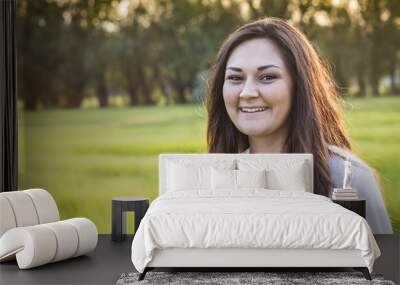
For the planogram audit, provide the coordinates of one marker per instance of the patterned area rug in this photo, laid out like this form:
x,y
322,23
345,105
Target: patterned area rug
x,y
225,278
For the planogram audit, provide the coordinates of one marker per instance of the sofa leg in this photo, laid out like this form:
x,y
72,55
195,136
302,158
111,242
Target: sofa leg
x,y
364,271
143,274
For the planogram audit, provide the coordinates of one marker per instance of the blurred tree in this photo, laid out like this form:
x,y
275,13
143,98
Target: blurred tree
x,y
166,47
371,11
39,25
178,26
61,49
392,30
86,49
360,55
134,52
380,20
70,49
270,8
334,39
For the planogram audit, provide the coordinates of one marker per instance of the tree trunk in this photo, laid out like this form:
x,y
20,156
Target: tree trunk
x,y
73,102
375,70
102,90
145,90
376,46
167,92
26,83
28,87
164,87
148,100
180,94
393,85
75,98
131,84
375,87
30,103
362,87
50,99
341,79
133,94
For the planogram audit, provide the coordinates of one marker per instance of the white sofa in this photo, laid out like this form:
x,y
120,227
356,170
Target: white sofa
x,y
31,231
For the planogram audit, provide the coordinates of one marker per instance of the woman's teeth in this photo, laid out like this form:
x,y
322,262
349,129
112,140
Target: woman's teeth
x,y
253,110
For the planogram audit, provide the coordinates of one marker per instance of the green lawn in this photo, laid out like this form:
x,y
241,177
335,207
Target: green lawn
x,y
85,157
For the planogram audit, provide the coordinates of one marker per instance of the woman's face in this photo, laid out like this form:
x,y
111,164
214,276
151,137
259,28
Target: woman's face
x,y
256,76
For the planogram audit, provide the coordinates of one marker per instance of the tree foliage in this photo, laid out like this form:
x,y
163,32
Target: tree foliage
x,y
155,50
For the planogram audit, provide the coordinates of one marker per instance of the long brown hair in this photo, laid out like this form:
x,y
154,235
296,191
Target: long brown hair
x,y
314,121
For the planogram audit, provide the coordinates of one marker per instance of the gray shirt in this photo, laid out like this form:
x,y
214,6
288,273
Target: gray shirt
x,y
366,184
364,181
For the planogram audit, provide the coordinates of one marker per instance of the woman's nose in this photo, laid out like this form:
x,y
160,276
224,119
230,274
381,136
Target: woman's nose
x,y
249,89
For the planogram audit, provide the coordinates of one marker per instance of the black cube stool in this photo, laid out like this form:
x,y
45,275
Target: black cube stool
x,y
121,205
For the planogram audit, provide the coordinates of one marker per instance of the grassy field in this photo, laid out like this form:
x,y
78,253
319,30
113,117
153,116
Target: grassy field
x,y
85,157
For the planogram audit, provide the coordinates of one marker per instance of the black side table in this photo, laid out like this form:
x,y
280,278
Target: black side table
x,y
357,206
121,205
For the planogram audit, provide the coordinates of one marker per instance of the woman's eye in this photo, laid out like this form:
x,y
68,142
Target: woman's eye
x,y
267,77
234,78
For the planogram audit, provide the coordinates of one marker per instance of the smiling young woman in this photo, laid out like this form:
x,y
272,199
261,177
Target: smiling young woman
x,y
271,93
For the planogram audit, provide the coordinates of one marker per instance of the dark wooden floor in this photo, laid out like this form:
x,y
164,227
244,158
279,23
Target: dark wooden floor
x,y
102,266
111,259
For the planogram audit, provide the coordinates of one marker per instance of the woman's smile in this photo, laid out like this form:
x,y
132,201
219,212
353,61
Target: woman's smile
x,y
252,109
254,114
